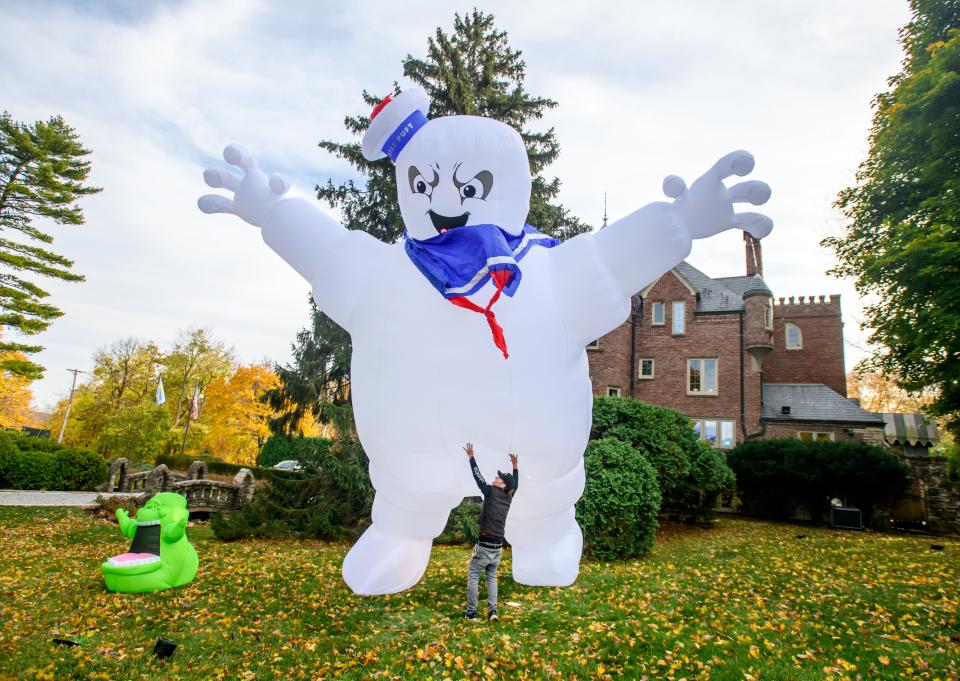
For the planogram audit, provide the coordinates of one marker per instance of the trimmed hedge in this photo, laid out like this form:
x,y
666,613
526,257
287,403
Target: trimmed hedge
x,y
175,462
776,476
282,448
38,463
619,506
691,474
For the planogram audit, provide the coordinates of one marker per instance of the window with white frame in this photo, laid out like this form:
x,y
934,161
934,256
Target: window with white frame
x,y
720,433
657,314
679,317
645,368
613,392
768,315
815,436
593,345
702,376
793,336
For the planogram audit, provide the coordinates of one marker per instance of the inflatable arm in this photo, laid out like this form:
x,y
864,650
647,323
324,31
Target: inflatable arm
x,y
128,526
332,259
598,273
175,525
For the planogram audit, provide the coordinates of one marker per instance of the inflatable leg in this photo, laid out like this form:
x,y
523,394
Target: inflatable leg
x,y
393,553
543,531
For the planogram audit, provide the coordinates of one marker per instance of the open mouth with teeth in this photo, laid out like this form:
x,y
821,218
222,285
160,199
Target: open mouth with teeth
x,y
144,553
442,223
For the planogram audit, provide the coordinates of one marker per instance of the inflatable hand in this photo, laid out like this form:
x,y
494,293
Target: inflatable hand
x,y
160,556
253,194
706,208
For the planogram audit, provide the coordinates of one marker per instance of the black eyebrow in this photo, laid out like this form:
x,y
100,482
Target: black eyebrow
x,y
413,171
485,177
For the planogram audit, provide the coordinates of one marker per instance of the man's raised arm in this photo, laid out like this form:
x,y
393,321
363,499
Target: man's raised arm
x,y
477,475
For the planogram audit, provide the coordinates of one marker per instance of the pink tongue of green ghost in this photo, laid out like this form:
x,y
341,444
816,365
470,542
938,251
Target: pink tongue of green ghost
x,y
133,558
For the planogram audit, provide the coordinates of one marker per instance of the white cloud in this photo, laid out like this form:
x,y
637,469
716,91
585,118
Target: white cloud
x,y
644,89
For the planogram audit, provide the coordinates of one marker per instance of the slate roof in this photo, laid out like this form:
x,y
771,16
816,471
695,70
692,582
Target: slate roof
x,y
813,402
712,294
745,285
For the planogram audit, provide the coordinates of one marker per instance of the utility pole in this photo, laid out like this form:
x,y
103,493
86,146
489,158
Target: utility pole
x,y
66,416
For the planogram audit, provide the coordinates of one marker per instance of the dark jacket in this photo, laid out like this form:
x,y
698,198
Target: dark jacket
x,y
496,504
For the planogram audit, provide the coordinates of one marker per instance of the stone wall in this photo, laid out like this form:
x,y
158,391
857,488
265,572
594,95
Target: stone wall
x,y
942,495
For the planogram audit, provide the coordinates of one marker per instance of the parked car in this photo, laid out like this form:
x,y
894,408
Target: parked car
x,y
289,465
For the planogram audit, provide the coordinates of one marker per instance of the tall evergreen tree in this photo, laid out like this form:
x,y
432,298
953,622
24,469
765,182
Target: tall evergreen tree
x,y
43,168
472,71
902,243
317,381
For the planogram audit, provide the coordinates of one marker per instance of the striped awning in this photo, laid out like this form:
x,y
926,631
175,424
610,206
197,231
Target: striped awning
x,y
910,429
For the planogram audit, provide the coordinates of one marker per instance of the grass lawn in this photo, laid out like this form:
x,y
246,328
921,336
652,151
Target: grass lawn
x,y
743,600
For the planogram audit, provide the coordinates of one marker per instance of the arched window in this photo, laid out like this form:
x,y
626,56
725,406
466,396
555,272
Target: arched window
x,y
794,336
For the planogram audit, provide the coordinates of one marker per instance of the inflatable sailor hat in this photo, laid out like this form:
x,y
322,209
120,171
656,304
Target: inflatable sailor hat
x,y
394,122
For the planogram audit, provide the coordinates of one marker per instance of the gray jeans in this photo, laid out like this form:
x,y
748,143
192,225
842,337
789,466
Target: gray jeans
x,y
483,559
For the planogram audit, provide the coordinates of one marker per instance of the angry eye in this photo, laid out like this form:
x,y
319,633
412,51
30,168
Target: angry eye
x,y
419,184
478,187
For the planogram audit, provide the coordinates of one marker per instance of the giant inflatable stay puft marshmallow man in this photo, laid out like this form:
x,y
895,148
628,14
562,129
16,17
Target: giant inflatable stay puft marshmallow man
x,y
473,327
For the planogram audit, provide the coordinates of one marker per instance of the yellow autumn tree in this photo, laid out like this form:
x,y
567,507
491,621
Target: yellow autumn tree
x,y
238,420
879,393
15,395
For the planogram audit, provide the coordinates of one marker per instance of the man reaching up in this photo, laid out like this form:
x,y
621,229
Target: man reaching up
x,y
486,554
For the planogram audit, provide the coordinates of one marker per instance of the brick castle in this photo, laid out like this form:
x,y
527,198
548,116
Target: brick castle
x,y
738,361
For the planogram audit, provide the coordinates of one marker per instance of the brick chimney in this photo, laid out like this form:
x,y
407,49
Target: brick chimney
x,y
754,256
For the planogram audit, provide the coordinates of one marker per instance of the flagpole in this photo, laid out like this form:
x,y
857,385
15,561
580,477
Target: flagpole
x,y
186,429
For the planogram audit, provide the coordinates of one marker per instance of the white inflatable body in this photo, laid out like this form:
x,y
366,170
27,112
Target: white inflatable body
x,y
426,375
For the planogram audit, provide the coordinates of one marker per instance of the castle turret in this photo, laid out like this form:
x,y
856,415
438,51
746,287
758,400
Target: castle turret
x,y
758,320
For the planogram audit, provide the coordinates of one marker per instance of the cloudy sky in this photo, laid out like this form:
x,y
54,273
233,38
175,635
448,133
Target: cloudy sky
x,y
645,89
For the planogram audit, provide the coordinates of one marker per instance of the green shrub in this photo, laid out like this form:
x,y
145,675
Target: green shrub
x,y
951,452
619,506
776,476
690,474
8,452
463,525
283,448
79,469
39,463
329,499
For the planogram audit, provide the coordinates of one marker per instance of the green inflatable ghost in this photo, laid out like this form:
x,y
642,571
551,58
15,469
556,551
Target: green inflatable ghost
x,y
160,556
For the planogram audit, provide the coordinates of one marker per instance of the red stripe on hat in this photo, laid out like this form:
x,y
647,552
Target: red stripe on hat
x,y
379,107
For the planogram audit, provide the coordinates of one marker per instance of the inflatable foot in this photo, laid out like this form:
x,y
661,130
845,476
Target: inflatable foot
x,y
383,564
551,563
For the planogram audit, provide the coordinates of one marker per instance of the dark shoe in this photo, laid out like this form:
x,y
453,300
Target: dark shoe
x,y
472,616
492,615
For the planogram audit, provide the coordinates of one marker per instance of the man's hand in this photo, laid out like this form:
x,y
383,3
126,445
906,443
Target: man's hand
x,y
513,459
254,194
468,448
706,208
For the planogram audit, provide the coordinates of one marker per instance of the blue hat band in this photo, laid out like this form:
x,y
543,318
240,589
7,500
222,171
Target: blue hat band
x,y
403,134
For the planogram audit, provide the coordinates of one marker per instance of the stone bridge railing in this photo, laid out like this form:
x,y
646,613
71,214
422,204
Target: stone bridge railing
x,y
201,494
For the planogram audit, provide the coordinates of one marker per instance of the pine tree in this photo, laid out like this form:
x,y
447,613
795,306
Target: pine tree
x,y
317,382
473,71
42,173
